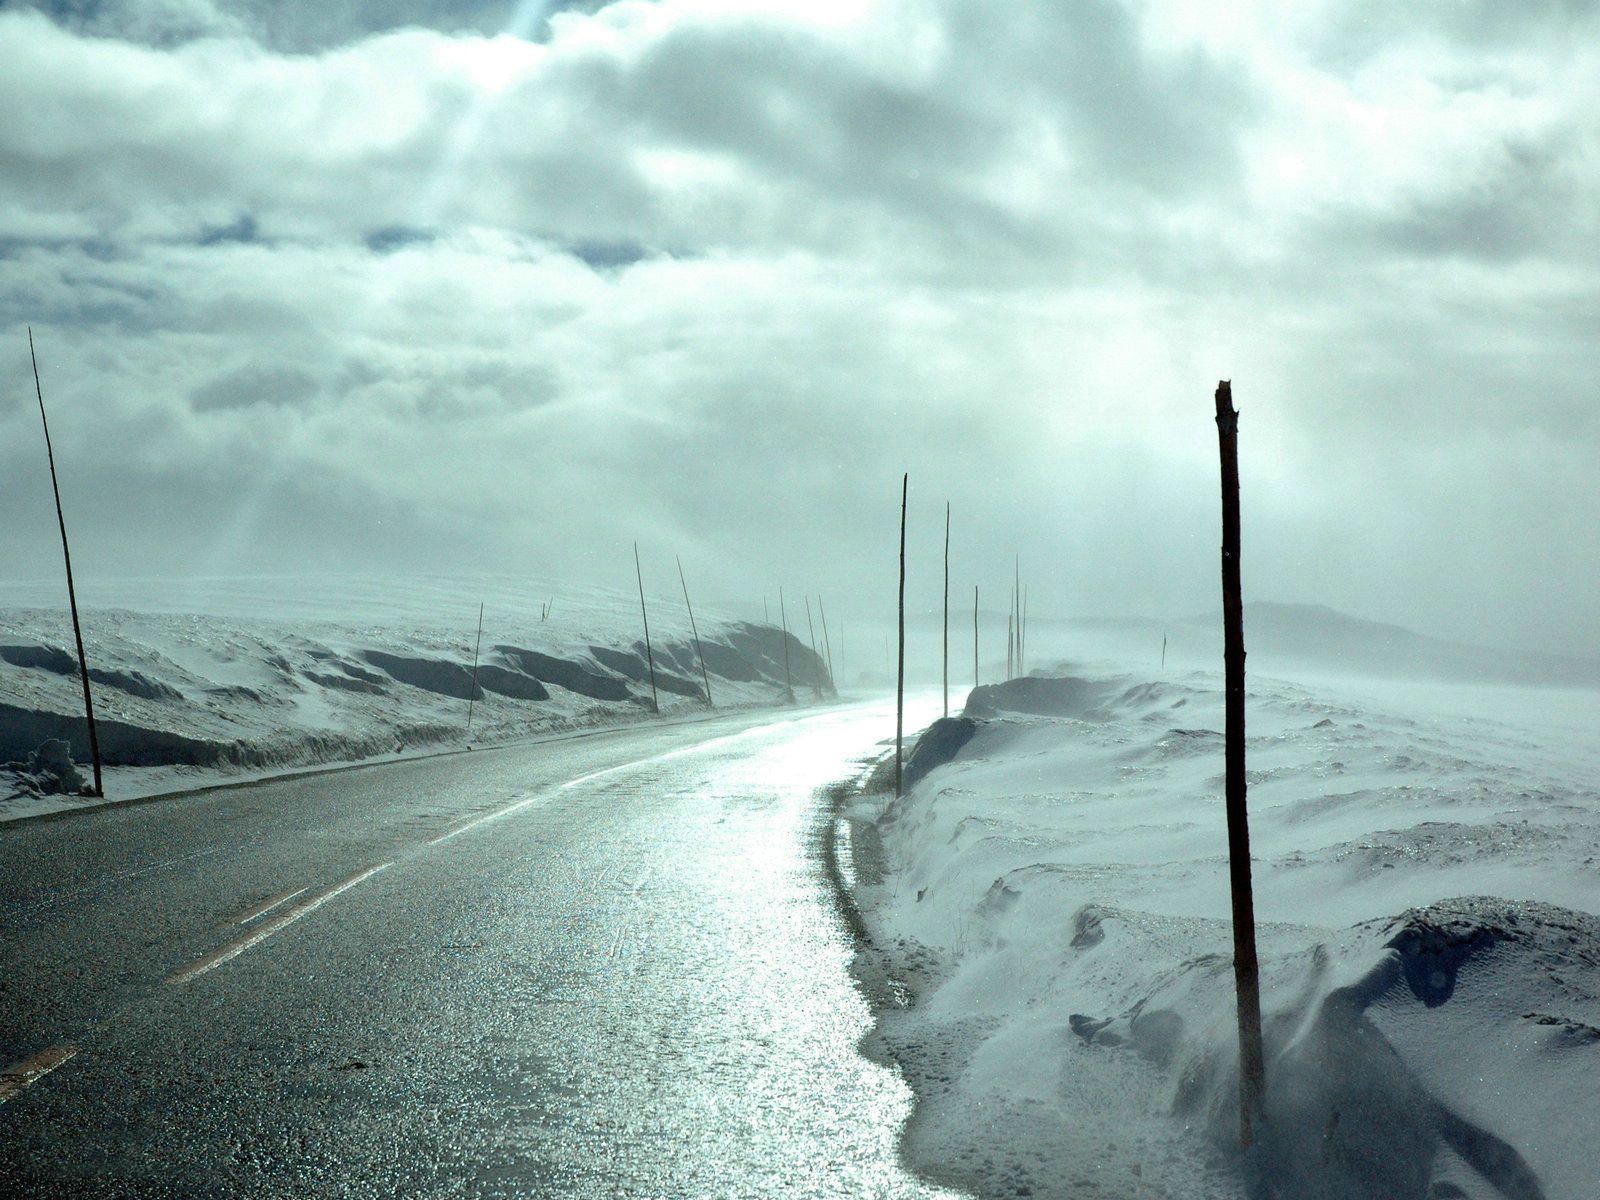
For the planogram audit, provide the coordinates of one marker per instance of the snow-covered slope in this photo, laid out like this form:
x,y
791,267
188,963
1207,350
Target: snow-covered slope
x,y
262,675
1053,893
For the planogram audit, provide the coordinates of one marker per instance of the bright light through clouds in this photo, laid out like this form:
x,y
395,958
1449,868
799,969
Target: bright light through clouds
x,y
528,282
819,12
493,64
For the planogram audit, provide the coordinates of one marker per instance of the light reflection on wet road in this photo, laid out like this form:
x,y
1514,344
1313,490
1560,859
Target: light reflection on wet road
x,y
637,985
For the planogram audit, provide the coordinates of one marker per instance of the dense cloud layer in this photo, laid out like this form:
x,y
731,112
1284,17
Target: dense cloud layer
x,y
318,291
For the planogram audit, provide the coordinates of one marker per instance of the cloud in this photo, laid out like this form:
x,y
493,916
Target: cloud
x,y
709,275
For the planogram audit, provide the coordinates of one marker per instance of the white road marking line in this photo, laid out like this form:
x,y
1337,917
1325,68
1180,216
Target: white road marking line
x,y
495,815
266,906
680,752
545,795
29,1071
262,932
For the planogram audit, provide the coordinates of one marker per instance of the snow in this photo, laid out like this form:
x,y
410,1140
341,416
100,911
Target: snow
x,y
1052,892
204,681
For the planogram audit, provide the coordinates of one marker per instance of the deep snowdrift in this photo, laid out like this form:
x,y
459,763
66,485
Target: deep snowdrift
x,y
1052,893
183,699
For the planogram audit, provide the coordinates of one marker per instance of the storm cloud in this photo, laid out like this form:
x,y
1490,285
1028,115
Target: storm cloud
x,y
493,287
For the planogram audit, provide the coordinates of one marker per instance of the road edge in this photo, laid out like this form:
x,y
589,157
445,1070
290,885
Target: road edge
x,y
317,771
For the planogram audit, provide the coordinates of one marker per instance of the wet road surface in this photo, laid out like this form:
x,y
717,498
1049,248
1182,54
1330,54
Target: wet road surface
x,y
607,967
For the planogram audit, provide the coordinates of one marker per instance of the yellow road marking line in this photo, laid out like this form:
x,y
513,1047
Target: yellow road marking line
x,y
262,909
30,1070
262,932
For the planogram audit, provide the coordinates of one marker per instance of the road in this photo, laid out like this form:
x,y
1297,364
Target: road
x,y
603,967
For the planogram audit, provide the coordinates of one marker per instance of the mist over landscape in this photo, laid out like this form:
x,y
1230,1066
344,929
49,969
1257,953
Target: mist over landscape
x,y
623,598
427,289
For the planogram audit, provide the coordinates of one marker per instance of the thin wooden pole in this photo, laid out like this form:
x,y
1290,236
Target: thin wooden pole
x,y
1246,972
72,594
1010,648
472,692
1022,643
816,682
1163,652
900,683
1016,609
947,609
974,635
783,616
695,629
827,644
649,655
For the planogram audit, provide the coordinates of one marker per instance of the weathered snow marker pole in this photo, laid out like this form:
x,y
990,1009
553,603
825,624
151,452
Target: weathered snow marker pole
x,y
695,629
1016,608
1246,976
947,609
72,595
1022,640
816,681
900,684
827,645
974,635
472,691
783,616
649,655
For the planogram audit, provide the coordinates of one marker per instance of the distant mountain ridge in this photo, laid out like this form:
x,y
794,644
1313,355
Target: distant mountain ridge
x,y
1316,635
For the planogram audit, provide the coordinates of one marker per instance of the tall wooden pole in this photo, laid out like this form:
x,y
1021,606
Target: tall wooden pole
x,y
1246,972
974,635
783,616
811,629
695,629
1022,642
900,680
1010,648
947,608
472,692
827,645
649,655
72,595
1016,609
1163,652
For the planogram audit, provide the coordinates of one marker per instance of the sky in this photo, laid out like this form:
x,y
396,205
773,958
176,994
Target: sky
x,y
431,287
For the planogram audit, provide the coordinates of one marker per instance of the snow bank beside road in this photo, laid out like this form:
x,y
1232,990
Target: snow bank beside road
x,y
183,699
1054,895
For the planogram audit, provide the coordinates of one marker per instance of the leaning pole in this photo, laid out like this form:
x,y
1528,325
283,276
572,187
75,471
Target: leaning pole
x,y
900,680
649,655
72,595
947,609
1246,972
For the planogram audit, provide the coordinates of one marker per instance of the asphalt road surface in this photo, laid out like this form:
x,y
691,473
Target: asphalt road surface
x,y
603,967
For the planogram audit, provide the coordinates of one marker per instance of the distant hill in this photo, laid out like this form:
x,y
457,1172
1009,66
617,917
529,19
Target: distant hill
x,y
1315,635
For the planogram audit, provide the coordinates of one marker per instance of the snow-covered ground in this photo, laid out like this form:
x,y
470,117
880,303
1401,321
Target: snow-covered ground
x,y
217,679
1052,893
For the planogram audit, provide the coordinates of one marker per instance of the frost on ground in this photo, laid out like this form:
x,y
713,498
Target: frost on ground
x,y
1052,893
258,677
